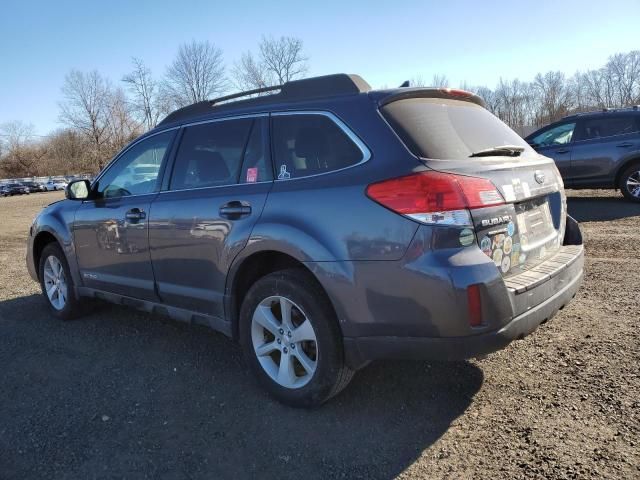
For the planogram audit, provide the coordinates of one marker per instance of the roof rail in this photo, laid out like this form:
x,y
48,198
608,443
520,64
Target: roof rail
x,y
245,94
307,88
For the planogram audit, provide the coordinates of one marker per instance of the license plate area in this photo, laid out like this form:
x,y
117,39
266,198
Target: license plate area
x,y
535,223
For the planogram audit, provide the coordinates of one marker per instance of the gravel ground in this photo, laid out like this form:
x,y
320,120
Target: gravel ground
x,y
122,394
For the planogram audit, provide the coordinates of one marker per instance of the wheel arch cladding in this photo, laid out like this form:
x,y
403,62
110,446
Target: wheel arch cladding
x,y
41,240
255,266
623,168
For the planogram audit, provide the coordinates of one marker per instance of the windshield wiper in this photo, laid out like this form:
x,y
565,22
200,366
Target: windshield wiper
x,y
502,150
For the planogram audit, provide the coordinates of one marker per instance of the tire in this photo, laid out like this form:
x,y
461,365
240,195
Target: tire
x,y
323,356
70,307
628,181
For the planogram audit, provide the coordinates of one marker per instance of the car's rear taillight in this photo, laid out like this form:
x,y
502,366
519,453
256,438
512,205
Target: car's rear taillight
x,y
435,197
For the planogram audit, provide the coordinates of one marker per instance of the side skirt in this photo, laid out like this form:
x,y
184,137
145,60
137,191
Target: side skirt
x,y
175,313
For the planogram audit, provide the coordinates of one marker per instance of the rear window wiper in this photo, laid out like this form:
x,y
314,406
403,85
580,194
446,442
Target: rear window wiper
x,y
502,150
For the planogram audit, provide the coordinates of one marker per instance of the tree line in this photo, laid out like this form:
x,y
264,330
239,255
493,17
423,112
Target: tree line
x,y
100,117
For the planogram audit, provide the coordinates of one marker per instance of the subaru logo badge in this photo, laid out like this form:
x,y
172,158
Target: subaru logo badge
x,y
539,176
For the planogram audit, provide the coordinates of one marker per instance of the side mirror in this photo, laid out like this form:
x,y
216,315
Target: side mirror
x,y
78,190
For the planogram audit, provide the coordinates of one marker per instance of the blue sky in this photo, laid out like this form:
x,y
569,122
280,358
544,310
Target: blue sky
x,y
385,42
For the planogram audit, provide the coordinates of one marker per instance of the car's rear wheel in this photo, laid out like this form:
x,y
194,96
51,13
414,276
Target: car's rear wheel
x,y
57,284
630,183
291,340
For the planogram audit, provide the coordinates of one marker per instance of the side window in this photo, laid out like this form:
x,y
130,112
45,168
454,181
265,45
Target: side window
x,y
608,127
136,171
310,144
256,166
210,154
555,136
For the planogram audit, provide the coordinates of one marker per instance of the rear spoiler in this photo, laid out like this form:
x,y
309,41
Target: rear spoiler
x,y
418,92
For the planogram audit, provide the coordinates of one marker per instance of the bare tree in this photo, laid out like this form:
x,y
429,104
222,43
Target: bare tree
x,y
553,96
22,154
250,73
122,127
143,88
283,58
86,108
418,81
439,81
196,74
278,61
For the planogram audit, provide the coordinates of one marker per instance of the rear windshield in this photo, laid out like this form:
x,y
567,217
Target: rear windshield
x,y
448,129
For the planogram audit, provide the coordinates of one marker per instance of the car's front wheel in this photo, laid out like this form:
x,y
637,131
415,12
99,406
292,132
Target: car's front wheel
x,y
57,284
630,183
291,340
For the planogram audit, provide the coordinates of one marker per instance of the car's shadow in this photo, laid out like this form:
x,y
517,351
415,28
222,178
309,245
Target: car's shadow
x,y
601,208
120,393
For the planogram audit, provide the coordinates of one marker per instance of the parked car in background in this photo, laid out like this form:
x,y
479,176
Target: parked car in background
x,y
35,187
323,227
52,185
15,189
595,150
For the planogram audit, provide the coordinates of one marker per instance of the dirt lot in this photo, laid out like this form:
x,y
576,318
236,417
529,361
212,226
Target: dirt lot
x,y
123,394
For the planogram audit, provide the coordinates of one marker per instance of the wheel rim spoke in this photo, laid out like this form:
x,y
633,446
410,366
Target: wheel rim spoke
x,y
303,333
286,375
266,319
285,309
266,349
51,290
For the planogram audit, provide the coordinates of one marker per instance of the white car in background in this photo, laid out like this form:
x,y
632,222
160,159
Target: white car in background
x,y
53,185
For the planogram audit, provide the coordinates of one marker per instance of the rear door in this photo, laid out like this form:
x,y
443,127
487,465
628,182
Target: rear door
x,y
600,143
557,142
217,189
111,231
458,137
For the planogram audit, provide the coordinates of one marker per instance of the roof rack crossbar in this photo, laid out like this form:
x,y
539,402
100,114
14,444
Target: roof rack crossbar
x,y
245,94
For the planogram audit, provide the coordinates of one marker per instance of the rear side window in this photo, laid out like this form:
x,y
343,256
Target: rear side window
x,y
309,144
448,129
608,127
210,154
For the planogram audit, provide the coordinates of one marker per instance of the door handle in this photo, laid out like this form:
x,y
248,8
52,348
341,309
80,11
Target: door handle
x,y
624,145
235,209
134,215
563,150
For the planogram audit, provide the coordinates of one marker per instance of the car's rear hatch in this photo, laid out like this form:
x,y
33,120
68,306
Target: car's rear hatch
x,y
457,135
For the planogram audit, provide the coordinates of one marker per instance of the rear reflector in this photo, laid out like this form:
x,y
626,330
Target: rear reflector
x,y
474,305
435,197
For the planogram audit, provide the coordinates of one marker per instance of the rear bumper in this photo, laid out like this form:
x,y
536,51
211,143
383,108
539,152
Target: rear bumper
x,y
564,285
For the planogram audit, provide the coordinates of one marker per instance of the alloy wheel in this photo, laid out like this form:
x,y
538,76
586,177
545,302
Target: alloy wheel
x,y
55,282
284,342
633,184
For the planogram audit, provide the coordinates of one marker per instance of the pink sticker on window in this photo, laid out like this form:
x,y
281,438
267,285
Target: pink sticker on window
x,y
252,175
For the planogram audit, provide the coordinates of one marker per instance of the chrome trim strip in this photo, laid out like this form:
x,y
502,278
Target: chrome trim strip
x,y
212,186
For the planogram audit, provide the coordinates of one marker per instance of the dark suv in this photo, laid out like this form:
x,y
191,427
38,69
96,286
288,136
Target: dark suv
x,y
595,150
323,226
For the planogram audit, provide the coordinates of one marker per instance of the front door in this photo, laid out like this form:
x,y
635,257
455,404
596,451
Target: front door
x,y
111,230
218,187
556,143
